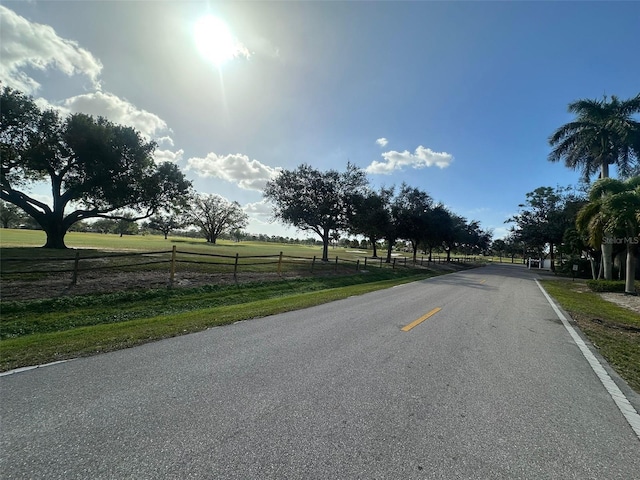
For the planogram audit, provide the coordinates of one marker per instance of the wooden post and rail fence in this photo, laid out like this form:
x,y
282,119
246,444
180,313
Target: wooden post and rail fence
x,y
77,264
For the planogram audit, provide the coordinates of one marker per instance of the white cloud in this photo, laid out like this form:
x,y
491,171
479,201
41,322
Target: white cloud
x,y
501,232
33,45
165,141
421,158
161,156
117,110
258,209
476,211
248,174
382,142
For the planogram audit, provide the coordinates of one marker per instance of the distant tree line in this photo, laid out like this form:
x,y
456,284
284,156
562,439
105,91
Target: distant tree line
x,y
332,203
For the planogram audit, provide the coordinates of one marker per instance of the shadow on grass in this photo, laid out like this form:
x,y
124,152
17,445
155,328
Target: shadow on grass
x,y
200,243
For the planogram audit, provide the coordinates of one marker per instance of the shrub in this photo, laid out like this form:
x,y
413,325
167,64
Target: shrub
x,y
606,285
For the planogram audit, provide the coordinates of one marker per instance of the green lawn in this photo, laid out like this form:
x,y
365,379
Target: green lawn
x,y
613,330
14,242
41,331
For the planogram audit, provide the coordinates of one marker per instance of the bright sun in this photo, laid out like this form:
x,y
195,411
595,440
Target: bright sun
x,y
214,40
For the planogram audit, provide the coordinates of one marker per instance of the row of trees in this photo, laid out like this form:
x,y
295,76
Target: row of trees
x,y
328,203
105,173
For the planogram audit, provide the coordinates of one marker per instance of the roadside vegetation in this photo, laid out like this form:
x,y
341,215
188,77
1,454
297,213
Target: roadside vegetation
x,y
41,331
613,330
48,329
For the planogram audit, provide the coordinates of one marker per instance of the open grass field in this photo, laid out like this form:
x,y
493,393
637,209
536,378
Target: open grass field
x,y
12,239
613,330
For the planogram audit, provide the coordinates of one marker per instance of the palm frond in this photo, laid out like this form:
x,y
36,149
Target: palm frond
x,y
606,186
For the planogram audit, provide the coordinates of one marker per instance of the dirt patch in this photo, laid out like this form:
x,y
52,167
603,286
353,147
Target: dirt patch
x,y
631,302
103,282
109,281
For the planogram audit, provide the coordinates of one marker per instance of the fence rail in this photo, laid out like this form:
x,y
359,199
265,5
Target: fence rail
x,y
77,265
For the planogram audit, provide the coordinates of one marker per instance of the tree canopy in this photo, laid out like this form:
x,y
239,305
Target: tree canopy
x,y
545,217
370,215
312,200
603,133
94,168
414,213
214,215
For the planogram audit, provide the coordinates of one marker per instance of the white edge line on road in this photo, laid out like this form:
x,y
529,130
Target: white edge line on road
x,y
33,367
616,394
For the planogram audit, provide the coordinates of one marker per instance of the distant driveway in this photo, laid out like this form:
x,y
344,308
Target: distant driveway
x,y
378,386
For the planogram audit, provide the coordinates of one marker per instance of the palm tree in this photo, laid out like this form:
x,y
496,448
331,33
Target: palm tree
x,y
604,133
612,215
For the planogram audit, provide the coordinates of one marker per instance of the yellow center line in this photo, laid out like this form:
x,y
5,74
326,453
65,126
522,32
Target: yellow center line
x,y
417,322
483,280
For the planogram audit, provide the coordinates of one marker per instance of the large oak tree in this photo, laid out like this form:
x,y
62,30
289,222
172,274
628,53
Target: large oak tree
x,y
215,215
544,218
414,213
316,201
371,215
94,167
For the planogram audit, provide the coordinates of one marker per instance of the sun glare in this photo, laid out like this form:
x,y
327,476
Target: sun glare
x,y
214,40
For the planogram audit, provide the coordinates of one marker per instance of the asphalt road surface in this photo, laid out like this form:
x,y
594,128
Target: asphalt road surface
x,y
491,386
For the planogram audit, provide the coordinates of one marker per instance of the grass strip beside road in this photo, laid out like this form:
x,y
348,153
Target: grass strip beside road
x,y
39,334
612,329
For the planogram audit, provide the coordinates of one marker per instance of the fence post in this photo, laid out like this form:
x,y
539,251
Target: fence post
x,y
336,267
235,266
172,270
280,264
380,262
357,264
394,263
405,261
313,262
76,262
365,263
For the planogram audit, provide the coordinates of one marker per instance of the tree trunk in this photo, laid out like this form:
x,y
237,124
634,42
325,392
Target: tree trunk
x,y
375,247
629,287
55,235
552,258
607,248
592,262
389,250
607,261
325,246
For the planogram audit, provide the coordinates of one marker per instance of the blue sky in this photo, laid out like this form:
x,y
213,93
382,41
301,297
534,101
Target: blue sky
x,y
455,98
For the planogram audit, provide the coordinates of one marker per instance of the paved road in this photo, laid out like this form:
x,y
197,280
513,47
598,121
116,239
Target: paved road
x,y
490,387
